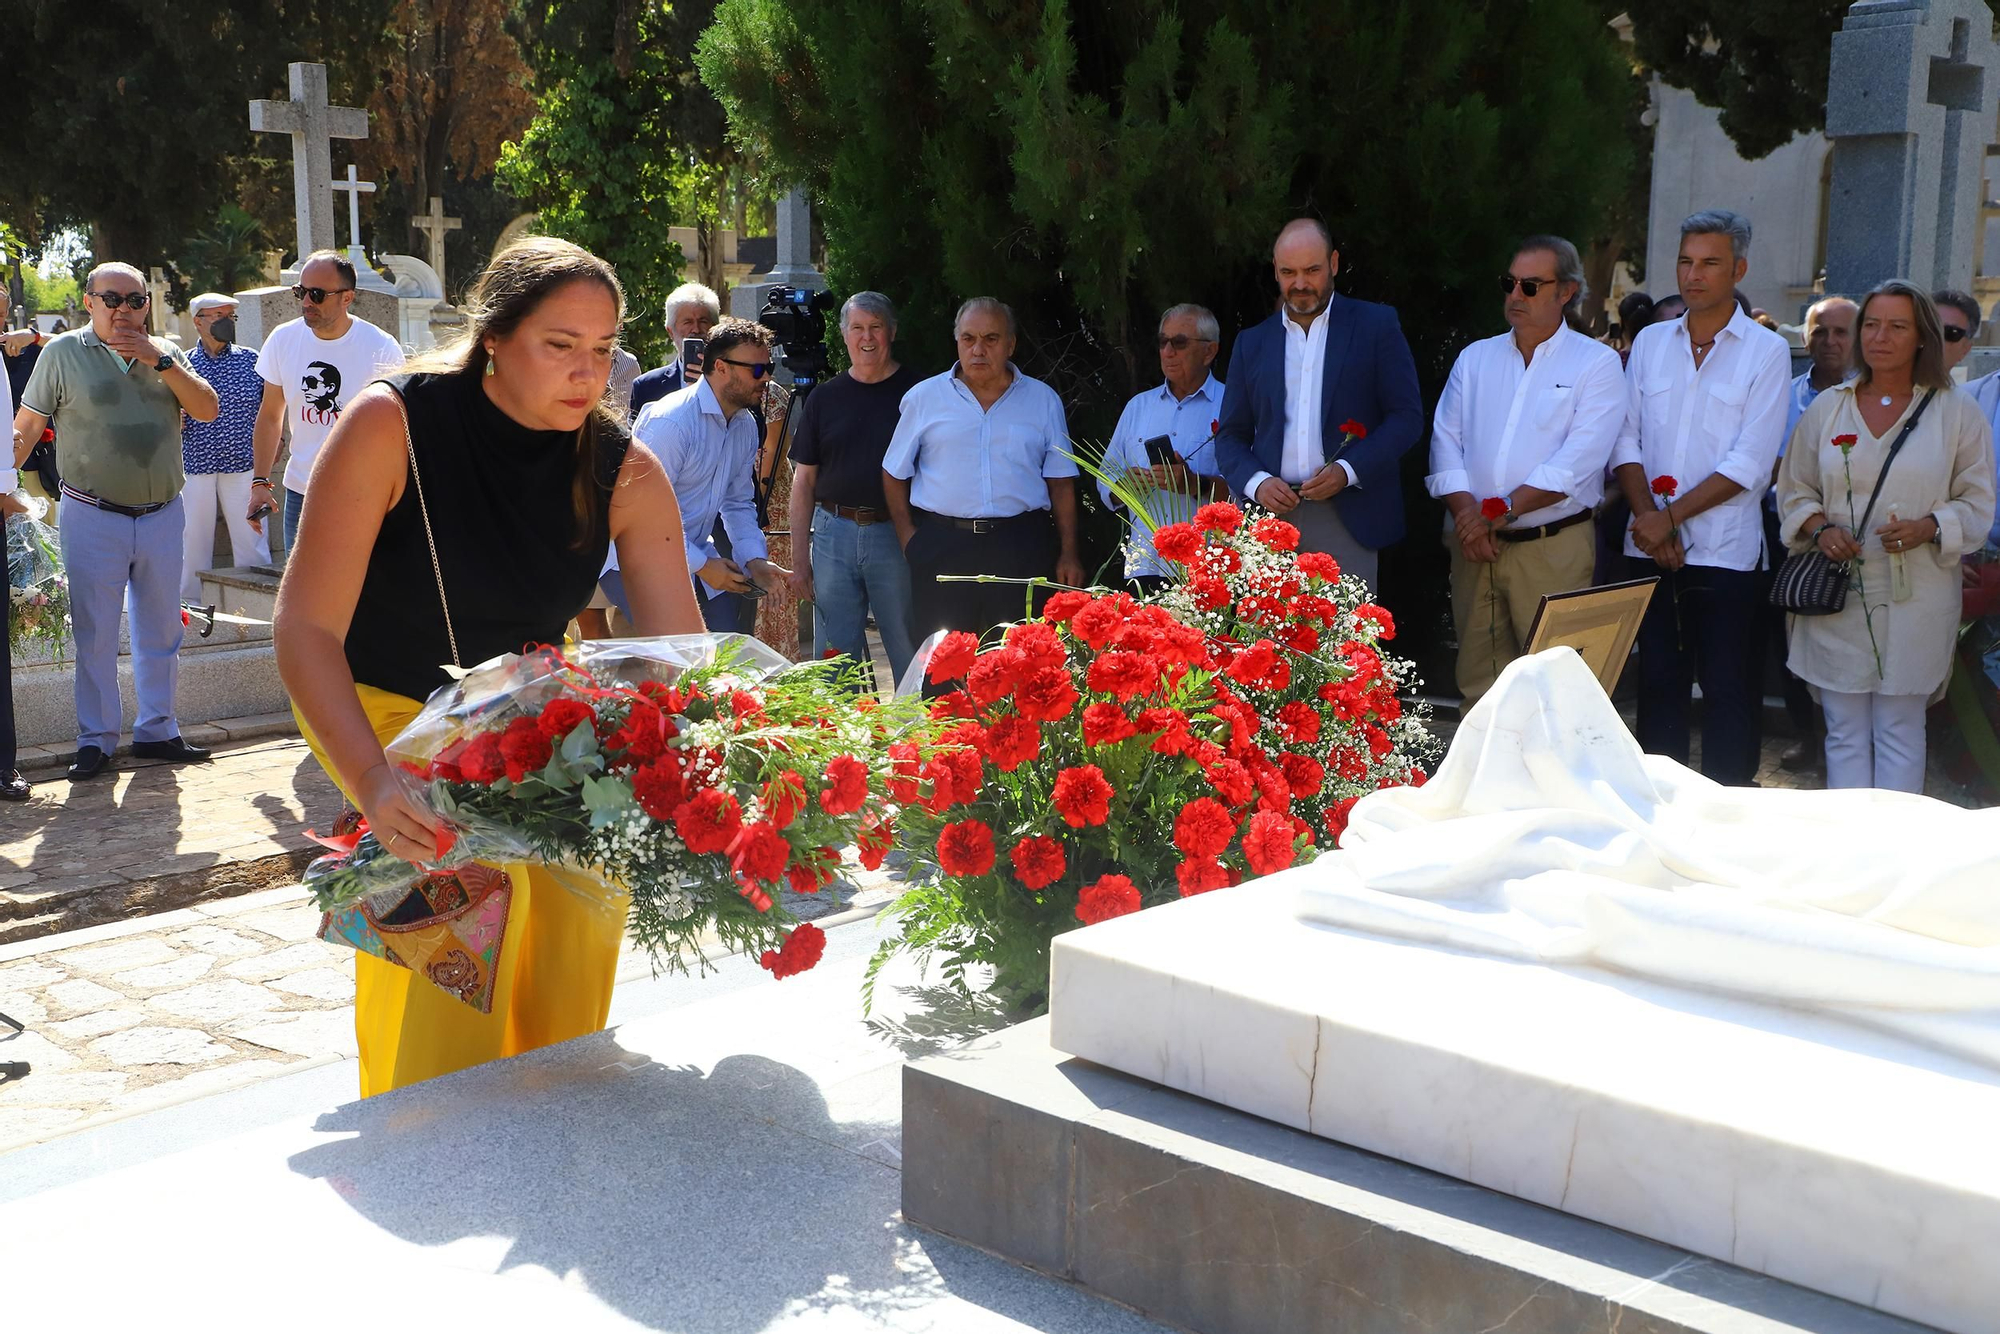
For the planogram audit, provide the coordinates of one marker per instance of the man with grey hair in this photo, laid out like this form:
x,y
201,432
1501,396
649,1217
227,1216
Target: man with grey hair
x,y
1706,402
692,310
1519,445
1162,453
1958,319
116,396
853,565
979,480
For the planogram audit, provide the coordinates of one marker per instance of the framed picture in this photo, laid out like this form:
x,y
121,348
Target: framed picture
x,y
1599,623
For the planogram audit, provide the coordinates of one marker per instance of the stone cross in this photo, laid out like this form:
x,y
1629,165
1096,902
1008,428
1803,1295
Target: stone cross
x,y
794,263
156,289
355,188
1912,95
434,225
313,126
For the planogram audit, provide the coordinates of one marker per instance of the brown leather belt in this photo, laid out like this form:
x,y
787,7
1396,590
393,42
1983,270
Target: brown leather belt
x,y
984,526
861,514
1544,530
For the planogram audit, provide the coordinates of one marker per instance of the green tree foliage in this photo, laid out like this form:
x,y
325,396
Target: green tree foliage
x,y
1763,65
226,256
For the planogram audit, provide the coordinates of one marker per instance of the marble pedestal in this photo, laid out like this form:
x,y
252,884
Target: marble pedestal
x,y
1810,1150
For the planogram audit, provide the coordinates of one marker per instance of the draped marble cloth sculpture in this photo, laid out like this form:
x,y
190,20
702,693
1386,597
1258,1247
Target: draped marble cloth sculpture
x,y
1548,836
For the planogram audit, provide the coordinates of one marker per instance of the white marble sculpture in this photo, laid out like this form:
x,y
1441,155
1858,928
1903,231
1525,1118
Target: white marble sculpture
x,y
1548,836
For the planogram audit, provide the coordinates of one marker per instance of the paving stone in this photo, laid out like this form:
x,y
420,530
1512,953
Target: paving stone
x,y
23,1007
19,1125
216,941
175,973
80,1088
314,1033
82,994
198,1084
40,1055
291,959
327,984
212,1003
296,923
118,956
29,975
96,1025
153,1045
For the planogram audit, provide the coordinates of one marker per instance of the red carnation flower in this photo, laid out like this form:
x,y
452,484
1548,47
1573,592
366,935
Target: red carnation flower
x,y
707,821
1231,780
658,789
994,675
1385,624
1177,542
1493,507
801,950
966,848
846,786
953,657
1038,643
1082,796
1167,726
759,852
523,748
1095,624
873,842
1111,896
956,704
1061,606
1304,775
1665,485
783,796
644,735
1045,695
905,766
1354,428
480,761
667,697
1319,565
1276,534
1105,724
1255,663
1336,818
1267,843
1219,517
1299,721
1013,741
747,708
561,716
1123,675
1209,593
1843,443
1038,861
1198,875
1203,828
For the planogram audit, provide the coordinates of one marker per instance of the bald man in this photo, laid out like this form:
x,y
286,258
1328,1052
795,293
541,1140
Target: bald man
x,y
1295,382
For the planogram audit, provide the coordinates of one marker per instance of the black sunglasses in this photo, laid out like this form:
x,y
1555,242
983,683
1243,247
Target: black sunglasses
x,y
1181,342
113,300
758,369
1954,334
317,294
1528,286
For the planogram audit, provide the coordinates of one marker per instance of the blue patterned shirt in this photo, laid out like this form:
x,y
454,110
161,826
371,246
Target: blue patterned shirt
x,y
223,445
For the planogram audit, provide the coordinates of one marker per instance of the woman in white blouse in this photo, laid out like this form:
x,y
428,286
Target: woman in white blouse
x,y
1879,662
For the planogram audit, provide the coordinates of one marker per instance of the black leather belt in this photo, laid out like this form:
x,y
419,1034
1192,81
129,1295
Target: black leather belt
x,y
110,507
861,514
1545,530
984,525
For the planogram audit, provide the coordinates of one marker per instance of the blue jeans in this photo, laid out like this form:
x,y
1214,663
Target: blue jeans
x,y
857,567
295,501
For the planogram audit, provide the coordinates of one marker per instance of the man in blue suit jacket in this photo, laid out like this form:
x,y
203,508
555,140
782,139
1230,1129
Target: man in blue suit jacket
x,y
1295,381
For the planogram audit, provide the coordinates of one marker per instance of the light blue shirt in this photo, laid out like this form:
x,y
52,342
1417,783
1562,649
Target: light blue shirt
x,y
1190,422
711,462
1985,391
980,463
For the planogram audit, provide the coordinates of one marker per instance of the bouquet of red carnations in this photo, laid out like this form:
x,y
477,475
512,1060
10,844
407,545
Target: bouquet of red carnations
x,y
699,773
1116,753
37,587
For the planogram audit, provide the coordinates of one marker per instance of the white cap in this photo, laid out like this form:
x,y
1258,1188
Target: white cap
x,y
209,301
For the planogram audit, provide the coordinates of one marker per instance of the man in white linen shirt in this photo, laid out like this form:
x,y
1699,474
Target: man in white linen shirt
x,y
1707,398
1526,422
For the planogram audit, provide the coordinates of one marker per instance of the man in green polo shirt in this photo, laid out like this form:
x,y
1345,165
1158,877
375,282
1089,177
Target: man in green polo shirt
x,y
116,397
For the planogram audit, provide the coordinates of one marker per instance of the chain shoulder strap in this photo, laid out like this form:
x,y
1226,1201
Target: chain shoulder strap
x,y
416,480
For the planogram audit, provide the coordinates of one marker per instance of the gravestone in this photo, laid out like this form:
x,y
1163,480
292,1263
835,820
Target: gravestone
x,y
418,295
313,126
434,225
793,266
1912,95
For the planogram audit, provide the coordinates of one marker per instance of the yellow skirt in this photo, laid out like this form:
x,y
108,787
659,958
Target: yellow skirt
x,y
552,982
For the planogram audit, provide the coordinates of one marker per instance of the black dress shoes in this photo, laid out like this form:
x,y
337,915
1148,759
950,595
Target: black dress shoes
x,y
89,763
177,749
13,787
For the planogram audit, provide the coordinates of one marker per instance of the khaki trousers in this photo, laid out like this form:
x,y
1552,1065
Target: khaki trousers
x,y
1494,605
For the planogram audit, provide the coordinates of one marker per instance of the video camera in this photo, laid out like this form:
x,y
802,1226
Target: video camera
x,y
798,321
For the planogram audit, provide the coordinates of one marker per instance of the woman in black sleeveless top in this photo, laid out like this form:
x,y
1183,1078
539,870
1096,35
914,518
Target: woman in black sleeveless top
x,y
525,479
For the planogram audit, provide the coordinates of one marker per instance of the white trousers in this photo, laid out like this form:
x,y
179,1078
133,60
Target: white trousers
x,y
204,491
1875,741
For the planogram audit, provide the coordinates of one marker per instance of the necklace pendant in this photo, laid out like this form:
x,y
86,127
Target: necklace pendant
x,y
1886,400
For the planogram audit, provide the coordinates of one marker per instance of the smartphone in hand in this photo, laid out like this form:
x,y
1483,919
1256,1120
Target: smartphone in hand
x,y
1160,449
691,354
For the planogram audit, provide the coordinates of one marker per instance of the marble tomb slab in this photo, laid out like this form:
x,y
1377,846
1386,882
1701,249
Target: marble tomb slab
x,y
1819,1152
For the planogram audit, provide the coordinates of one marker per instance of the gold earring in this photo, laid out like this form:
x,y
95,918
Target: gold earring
x,y
489,365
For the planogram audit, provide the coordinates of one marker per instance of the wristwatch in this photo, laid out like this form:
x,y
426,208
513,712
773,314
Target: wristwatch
x,y
164,362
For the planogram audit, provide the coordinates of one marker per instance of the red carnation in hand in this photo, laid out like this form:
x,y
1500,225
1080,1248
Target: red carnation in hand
x,y
561,716
1105,724
1494,508
658,789
1198,875
1665,485
707,821
1276,534
1082,796
759,852
1112,896
953,657
847,786
1012,742
480,761
801,950
1354,428
1203,828
783,796
1336,818
523,748
1267,843
966,848
1385,624
1061,606
1045,695
1177,542
1219,517
1038,861
1843,443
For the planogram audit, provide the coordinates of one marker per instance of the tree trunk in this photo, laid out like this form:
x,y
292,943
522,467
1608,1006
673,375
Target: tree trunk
x,y
1598,267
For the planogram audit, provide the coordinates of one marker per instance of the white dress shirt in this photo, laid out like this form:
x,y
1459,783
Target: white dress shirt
x,y
1725,418
1190,422
972,462
1305,380
9,479
1549,422
710,460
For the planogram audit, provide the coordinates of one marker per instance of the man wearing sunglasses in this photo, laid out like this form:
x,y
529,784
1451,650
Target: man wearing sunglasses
x,y
1957,343
706,438
116,397
1526,419
312,367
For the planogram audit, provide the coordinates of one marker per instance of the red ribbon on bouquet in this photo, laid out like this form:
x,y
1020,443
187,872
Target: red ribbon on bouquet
x,y
345,843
